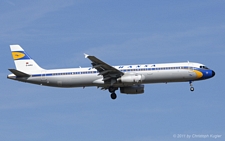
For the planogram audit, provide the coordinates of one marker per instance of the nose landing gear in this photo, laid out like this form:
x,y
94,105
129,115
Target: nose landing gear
x,y
191,88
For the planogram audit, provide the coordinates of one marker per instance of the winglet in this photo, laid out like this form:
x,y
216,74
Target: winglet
x,y
85,55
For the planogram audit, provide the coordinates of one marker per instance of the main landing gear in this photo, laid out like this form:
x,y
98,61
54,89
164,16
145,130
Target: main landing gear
x,y
113,96
191,88
112,91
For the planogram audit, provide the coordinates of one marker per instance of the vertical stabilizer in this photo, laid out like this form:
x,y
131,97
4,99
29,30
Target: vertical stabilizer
x,y
22,60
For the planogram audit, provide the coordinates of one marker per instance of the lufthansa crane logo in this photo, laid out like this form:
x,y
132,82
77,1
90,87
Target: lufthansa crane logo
x,y
18,55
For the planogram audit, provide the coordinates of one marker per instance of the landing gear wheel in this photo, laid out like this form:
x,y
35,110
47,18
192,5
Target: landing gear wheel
x,y
113,96
192,89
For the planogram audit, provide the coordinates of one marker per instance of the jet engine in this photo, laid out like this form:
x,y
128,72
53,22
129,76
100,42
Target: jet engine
x,y
131,78
137,89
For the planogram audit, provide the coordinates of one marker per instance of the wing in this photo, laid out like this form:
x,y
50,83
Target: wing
x,y
109,73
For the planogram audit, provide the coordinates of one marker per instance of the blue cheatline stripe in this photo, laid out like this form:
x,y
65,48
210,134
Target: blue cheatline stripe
x,y
36,75
124,70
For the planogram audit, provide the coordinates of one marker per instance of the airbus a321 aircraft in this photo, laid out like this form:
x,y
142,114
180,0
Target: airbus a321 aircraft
x,y
130,79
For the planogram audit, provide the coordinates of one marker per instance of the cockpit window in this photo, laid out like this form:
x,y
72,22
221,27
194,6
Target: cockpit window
x,y
204,67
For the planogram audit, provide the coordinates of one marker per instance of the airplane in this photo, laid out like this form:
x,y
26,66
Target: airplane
x,y
130,79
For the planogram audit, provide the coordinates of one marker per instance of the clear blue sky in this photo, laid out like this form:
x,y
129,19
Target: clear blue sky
x,y
57,33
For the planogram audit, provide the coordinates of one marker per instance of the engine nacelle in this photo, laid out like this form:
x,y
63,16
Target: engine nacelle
x,y
131,78
138,89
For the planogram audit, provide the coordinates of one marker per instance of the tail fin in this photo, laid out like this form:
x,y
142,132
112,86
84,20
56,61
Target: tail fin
x,y
22,60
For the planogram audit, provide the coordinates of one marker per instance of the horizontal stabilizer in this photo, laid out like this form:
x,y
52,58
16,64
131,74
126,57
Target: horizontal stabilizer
x,y
19,73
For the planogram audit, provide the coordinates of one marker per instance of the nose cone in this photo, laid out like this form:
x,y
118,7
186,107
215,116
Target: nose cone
x,y
213,73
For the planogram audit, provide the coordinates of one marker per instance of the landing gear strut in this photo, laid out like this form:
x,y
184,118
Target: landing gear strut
x,y
112,91
191,88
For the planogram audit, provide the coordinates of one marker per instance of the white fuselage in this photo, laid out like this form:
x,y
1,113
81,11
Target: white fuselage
x,y
148,73
128,78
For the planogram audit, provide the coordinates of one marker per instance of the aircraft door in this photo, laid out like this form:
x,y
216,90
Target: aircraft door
x,y
190,70
43,76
